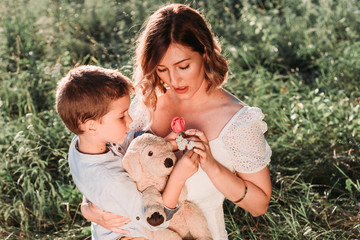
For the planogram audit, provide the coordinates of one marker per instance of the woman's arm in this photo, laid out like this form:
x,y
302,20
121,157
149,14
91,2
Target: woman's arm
x,y
108,220
258,184
257,197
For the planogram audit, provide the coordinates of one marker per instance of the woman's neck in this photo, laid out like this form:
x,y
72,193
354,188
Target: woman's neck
x,y
196,101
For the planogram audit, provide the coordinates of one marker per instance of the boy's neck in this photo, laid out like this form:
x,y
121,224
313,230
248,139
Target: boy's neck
x,y
91,146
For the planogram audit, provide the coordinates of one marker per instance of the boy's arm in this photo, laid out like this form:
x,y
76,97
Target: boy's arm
x,y
184,168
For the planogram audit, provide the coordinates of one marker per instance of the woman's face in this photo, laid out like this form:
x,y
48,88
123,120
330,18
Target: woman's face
x,y
182,69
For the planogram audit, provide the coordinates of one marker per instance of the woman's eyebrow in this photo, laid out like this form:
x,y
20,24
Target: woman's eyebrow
x,y
176,62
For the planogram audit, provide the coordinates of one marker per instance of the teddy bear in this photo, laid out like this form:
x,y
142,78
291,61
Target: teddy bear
x,y
149,161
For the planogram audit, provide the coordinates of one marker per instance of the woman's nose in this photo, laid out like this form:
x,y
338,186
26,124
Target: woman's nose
x,y
174,78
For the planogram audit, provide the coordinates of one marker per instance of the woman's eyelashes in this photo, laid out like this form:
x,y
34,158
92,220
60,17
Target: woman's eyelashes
x,y
182,68
186,67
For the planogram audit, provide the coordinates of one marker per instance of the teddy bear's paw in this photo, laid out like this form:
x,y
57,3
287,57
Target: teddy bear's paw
x,y
155,214
155,219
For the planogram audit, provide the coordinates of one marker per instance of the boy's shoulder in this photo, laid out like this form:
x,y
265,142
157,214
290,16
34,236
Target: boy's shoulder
x,y
111,161
120,149
83,164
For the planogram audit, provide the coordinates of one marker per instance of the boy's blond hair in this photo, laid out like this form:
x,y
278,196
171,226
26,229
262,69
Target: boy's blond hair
x,y
86,93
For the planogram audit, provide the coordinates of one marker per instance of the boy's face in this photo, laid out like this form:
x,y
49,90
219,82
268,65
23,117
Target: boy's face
x,y
114,125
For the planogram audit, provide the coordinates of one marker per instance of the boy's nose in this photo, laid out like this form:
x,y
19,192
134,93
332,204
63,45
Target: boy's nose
x,y
129,119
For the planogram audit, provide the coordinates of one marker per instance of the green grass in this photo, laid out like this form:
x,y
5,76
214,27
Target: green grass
x,y
297,60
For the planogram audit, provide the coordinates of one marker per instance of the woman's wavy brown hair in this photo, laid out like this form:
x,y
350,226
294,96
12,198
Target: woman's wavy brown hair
x,y
180,24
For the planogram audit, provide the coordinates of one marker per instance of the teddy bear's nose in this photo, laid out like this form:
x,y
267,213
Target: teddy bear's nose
x,y
168,163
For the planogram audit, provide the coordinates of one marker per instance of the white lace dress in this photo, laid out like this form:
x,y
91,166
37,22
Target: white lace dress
x,y
240,146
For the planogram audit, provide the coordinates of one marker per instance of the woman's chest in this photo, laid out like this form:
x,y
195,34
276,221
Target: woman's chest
x,y
210,121
200,187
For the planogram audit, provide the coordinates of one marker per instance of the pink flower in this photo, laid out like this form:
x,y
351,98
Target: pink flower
x,y
178,124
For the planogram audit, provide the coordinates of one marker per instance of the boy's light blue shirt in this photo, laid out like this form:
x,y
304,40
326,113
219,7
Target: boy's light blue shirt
x,y
103,181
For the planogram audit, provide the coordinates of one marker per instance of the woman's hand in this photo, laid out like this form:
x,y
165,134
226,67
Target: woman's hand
x,y
232,185
108,220
202,148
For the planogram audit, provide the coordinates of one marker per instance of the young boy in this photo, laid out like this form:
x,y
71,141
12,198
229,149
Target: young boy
x,y
93,103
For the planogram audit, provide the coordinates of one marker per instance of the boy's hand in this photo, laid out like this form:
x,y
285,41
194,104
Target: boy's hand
x,y
171,138
108,220
186,166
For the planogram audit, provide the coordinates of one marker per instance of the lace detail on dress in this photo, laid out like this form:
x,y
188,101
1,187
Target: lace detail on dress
x,y
139,114
244,138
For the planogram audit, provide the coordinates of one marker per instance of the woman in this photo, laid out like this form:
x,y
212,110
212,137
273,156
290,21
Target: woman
x,y
179,73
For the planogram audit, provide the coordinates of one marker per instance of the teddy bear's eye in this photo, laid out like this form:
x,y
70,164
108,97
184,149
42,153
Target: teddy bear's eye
x,y
150,153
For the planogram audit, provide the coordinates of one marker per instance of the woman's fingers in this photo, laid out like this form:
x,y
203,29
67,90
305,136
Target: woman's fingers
x,y
115,221
200,152
202,148
195,132
198,138
119,230
110,220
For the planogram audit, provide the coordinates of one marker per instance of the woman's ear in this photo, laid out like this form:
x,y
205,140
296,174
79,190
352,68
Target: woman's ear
x,y
204,54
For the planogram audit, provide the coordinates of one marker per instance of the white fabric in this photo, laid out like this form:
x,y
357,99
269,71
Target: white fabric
x,y
103,181
240,146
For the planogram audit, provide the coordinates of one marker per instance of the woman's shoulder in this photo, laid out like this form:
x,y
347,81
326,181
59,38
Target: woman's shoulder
x,y
240,112
226,101
248,115
240,115
139,114
243,137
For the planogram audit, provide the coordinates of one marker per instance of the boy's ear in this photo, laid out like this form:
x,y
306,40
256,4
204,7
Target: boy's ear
x,y
88,126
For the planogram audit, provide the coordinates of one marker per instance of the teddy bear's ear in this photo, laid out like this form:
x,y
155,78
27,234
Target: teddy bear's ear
x,y
132,165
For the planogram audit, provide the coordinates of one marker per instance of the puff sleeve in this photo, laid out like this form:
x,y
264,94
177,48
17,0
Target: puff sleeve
x,y
139,114
244,140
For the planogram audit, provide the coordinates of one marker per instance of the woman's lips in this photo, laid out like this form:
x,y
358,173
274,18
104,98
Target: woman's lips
x,y
181,89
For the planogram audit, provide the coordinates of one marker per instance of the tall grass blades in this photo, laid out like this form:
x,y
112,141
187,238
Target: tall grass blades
x,y
298,60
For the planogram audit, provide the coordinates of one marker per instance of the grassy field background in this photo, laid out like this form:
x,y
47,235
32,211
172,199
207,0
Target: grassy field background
x,y
298,60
